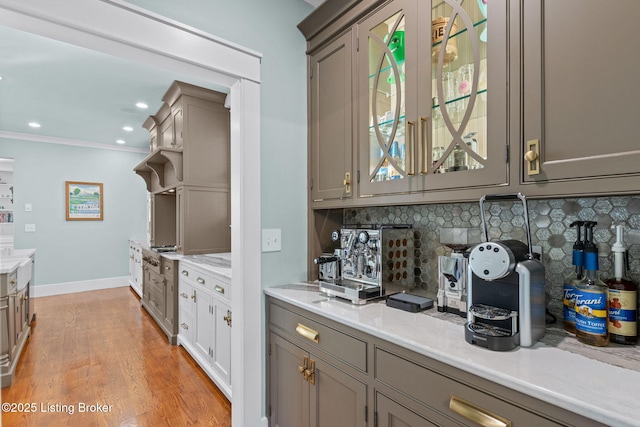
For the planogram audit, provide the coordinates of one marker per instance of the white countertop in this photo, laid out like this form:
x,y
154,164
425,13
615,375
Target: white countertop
x,y
219,263
593,388
8,263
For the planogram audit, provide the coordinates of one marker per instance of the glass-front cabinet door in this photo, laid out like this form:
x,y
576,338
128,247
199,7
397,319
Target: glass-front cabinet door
x,y
436,115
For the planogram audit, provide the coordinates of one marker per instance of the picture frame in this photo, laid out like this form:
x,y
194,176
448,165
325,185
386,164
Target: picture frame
x,y
84,201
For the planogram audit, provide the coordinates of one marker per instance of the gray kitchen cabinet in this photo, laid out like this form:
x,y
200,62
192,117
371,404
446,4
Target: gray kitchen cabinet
x,y
352,368
579,96
331,118
433,98
188,171
308,385
14,324
160,292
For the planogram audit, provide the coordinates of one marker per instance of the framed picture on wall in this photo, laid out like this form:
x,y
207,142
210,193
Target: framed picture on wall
x,y
85,201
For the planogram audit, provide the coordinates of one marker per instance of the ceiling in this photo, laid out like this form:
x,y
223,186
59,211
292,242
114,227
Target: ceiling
x,y
76,94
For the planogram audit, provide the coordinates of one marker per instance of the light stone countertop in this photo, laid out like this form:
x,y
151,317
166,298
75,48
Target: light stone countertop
x,y
601,384
218,263
8,263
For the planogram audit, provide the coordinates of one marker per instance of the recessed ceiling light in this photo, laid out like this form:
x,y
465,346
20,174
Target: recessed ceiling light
x,y
34,124
121,141
127,129
142,105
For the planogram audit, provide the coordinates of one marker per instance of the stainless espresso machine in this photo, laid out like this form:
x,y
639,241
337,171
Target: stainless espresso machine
x,y
506,295
372,262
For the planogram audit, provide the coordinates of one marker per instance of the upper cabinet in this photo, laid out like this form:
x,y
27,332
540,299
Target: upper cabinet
x,y
432,112
450,100
331,120
579,96
189,140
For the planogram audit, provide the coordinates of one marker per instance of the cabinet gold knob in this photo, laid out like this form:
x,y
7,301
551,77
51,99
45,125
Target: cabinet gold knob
x,y
530,156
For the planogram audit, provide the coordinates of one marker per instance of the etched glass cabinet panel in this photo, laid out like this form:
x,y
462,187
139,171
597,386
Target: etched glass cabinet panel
x,y
434,71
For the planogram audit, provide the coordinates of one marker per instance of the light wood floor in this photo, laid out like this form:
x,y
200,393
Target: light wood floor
x,y
101,347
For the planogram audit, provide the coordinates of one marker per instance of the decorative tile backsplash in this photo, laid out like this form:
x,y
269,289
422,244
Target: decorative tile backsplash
x,y
549,221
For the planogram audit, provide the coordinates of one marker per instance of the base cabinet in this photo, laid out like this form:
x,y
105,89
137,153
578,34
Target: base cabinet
x,y
324,373
308,391
135,267
205,322
160,294
14,324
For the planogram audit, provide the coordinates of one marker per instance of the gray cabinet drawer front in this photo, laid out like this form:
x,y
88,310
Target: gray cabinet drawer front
x,y
168,267
434,390
346,348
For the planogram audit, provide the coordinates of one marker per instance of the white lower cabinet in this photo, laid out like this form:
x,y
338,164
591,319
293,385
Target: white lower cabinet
x,y
135,267
205,322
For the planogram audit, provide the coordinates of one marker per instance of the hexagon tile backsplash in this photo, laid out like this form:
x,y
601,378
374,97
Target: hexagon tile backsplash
x,y
549,220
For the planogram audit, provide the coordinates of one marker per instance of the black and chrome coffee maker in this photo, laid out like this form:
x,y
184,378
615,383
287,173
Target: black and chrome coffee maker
x,y
506,293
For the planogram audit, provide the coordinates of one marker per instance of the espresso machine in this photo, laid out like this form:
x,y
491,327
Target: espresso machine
x,y
452,269
506,290
372,262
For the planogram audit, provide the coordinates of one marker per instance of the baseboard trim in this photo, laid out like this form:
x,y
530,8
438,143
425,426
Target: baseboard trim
x,y
80,286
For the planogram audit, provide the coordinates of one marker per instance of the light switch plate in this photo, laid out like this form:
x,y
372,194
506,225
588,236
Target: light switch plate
x,y
271,240
28,207
29,228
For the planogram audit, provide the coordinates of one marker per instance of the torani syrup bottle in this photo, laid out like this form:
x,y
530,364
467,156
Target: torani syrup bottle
x,y
623,297
591,298
569,288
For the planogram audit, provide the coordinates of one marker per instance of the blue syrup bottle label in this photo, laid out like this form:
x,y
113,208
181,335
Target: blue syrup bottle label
x,y
591,312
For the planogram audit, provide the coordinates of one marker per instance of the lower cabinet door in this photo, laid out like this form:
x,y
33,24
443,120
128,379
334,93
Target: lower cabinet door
x,y
288,390
204,324
222,342
391,414
328,397
337,399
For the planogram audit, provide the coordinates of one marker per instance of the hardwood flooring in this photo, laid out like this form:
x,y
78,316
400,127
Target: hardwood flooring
x,y
101,348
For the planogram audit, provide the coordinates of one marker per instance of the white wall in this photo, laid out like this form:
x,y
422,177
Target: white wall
x,y
268,27
70,251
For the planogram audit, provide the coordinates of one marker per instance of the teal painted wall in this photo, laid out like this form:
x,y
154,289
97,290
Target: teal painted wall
x,y
71,251
268,27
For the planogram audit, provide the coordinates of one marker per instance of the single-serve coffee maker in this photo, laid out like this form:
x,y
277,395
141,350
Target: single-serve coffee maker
x,y
506,295
372,262
452,269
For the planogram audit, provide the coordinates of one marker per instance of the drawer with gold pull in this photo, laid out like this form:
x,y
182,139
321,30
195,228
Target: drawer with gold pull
x,y
451,397
347,348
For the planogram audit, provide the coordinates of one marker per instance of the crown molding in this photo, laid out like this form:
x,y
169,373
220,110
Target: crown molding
x,y
66,141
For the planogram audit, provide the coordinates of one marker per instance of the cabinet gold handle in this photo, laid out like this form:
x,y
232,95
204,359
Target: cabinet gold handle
x,y
227,318
532,157
200,280
307,332
310,373
476,414
305,365
423,133
183,295
347,182
185,273
184,326
411,147
219,289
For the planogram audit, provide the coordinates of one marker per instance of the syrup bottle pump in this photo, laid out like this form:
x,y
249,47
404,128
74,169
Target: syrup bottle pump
x,y
591,297
569,288
623,297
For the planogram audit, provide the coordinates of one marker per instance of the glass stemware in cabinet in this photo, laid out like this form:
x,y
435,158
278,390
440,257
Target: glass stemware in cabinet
x,y
458,50
387,130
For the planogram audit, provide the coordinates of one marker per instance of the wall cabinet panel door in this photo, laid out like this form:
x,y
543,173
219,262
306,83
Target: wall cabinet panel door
x,y
580,98
331,120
